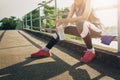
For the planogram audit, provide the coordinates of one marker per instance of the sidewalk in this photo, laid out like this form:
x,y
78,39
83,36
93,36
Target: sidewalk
x,y
104,54
16,64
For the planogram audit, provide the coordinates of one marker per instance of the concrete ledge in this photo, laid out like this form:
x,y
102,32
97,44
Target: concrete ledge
x,y
104,56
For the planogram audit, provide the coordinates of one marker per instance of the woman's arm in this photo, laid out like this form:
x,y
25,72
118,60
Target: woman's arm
x,y
70,15
72,20
84,16
87,10
86,13
69,20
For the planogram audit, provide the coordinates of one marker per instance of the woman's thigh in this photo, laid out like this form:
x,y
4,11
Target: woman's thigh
x,y
79,26
93,33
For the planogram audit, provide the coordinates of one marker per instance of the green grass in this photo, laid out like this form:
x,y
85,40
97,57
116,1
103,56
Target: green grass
x,y
68,36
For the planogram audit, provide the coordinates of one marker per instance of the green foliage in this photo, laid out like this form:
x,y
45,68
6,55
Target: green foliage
x,y
9,23
63,13
35,17
35,14
49,20
19,24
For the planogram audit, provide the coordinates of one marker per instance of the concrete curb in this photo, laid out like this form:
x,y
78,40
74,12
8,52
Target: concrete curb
x,y
104,56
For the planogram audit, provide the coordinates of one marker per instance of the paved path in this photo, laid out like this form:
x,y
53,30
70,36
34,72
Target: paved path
x,y
16,64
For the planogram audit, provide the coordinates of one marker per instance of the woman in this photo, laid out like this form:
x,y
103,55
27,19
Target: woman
x,y
88,25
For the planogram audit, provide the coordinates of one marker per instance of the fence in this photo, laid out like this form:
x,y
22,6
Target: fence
x,y
43,17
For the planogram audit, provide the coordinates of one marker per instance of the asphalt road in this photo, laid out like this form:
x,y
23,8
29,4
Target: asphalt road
x,y
16,64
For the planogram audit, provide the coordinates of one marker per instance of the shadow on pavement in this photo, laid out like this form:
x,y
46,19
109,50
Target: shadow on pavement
x,y
47,70
41,71
33,43
14,47
1,36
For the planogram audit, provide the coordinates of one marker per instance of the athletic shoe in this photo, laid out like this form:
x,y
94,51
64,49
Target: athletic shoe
x,y
41,53
88,56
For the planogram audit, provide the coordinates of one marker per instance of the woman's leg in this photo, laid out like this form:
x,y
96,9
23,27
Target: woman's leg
x,y
88,41
53,41
45,52
84,30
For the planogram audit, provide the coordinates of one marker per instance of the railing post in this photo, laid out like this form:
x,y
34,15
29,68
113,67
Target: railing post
x,y
26,20
56,10
39,19
23,22
118,26
31,21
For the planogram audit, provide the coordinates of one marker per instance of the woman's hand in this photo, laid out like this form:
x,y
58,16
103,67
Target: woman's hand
x,y
58,23
61,21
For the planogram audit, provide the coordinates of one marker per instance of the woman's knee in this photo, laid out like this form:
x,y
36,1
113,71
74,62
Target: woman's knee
x,y
55,36
80,25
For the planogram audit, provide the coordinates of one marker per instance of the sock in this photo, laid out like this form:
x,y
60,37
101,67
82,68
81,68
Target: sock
x,y
46,49
91,50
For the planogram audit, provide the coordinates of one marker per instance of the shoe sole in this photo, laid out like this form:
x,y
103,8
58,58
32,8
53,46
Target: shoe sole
x,y
40,56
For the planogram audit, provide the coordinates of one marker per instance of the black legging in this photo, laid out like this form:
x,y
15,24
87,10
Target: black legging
x,y
52,42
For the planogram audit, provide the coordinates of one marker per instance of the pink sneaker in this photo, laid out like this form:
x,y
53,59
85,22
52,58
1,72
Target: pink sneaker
x,y
88,56
41,53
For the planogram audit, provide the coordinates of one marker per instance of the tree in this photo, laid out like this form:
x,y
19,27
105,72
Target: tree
x,y
19,24
49,19
49,12
8,23
63,13
35,17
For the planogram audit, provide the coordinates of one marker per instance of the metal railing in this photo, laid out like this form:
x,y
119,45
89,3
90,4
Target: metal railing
x,y
36,22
